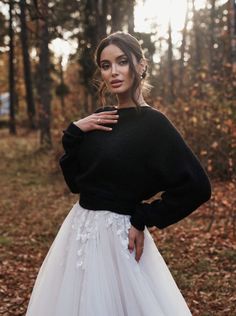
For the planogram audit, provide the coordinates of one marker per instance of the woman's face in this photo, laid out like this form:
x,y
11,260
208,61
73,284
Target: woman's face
x,y
115,69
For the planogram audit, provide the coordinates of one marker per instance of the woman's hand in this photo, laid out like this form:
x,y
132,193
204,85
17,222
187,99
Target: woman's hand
x,y
136,239
95,121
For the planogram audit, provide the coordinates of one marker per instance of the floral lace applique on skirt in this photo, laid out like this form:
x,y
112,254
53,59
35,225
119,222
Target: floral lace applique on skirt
x,y
89,271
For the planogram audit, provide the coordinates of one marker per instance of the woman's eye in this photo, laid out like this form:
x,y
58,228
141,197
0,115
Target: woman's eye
x,y
105,66
124,62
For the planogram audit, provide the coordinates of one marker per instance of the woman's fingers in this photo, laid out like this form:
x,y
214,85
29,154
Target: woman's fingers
x,y
106,112
105,121
138,248
103,118
131,244
106,117
97,121
103,128
138,252
136,241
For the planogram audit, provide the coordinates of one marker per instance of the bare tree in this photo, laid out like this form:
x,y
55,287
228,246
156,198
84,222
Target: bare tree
x,y
102,9
197,46
212,32
44,85
116,18
130,8
182,51
62,89
27,66
170,71
12,123
232,19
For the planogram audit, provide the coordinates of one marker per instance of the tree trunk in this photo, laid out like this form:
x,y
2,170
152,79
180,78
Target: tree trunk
x,y
170,72
197,48
161,81
211,44
102,10
27,67
130,8
44,79
62,96
182,53
12,123
232,18
116,19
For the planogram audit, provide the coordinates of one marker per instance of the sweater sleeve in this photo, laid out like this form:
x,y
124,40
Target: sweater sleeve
x,y
69,163
185,183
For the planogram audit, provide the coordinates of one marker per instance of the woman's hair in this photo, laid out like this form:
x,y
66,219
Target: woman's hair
x,y
129,45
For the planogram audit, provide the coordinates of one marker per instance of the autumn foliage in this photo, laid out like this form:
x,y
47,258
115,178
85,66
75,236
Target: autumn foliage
x,y
193,83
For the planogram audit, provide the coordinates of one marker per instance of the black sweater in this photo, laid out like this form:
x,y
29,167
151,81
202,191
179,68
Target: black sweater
x,y
143,154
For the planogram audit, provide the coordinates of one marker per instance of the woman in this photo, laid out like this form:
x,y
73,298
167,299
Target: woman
x,y
104,261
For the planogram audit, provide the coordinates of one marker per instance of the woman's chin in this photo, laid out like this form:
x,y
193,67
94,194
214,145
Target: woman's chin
x,y
119,90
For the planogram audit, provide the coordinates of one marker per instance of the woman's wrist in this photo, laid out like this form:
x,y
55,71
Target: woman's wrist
x,y
78,124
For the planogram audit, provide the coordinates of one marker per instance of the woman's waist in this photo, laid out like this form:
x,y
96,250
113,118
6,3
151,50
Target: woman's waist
x,y
101,202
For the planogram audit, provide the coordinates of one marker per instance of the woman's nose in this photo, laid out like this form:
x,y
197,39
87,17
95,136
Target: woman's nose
x,y
114,69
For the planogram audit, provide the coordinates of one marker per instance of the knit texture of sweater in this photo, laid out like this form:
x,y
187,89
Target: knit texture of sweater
x,y
143,155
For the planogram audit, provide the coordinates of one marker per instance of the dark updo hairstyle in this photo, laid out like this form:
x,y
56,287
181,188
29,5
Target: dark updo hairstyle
x,y
129,45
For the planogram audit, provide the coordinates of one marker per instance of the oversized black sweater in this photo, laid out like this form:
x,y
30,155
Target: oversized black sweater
x,y
143,155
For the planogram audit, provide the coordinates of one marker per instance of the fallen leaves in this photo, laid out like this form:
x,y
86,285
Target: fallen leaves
x,y
34,202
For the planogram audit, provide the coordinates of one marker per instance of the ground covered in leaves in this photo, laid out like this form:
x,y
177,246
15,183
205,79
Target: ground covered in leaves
x,y
200,250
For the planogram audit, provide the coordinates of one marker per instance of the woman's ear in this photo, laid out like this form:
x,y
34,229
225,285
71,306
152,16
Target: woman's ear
x,y
142,68
143,64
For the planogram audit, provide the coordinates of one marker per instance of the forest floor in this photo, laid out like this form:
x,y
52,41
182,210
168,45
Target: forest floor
x,y
35,200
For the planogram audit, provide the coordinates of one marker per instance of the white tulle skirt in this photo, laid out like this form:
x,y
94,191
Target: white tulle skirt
x,y
89,271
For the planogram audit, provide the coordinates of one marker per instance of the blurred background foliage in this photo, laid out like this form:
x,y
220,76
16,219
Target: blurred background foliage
x,y
47,68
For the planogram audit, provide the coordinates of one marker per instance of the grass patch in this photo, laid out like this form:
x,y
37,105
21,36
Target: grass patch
x,y
5,241
203,265
229,254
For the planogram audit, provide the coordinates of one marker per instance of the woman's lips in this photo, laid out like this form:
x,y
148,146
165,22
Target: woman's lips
x,y
116,83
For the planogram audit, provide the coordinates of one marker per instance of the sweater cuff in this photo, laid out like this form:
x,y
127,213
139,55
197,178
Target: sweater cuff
x,y
137,219
74,130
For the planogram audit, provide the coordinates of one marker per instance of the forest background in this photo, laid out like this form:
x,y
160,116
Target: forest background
x,y
193,78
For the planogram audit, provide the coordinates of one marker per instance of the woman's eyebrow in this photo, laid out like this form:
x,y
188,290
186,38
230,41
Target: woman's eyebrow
x,y
118,57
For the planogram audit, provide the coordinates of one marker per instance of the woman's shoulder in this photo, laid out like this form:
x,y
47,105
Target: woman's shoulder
x,y
159,122
157,115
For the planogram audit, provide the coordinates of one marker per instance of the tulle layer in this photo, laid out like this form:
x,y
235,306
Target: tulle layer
x,y
89,271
